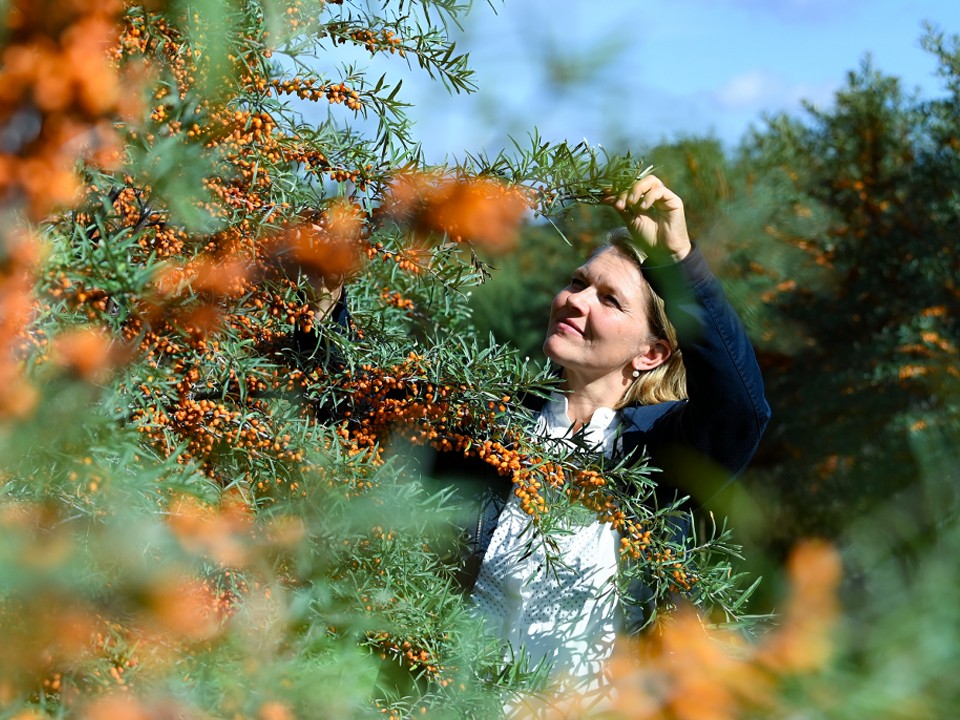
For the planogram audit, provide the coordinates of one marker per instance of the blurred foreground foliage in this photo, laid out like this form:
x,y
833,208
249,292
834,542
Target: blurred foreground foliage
x,y
216,502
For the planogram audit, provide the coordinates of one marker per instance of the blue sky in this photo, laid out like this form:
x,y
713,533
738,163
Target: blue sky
x,y
650,70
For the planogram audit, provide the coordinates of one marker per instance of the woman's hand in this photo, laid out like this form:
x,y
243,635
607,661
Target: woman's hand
x,y
654,216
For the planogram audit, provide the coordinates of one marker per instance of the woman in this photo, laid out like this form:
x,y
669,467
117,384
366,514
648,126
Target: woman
x,y
654,360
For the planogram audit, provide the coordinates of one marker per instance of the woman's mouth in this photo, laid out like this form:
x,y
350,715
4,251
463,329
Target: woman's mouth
x,y
566,326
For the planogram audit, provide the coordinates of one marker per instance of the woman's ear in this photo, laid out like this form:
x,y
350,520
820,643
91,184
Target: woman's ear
x,y
655,355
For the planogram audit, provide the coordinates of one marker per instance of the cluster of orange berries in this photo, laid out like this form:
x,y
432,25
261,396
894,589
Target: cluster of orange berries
x,y
53,683
374,42
157,237
274,305
141,34
238,133
341,93
395,299
667,566
294,15
313,89
393,406
127,206
155,343
116,675
341,174
413,656
528,490
93,301
251,127
413,260
393,402
131,210
207,427
241,128
111,642
308,157
634,541
133,39
248,145
531,475
246,138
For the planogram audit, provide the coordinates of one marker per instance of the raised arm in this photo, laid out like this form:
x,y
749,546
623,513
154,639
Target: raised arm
x,y
726,411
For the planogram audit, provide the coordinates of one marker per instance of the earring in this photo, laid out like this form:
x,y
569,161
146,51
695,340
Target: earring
x,y
636,374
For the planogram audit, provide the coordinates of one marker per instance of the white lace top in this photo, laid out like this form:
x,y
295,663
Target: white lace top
x,y
560,605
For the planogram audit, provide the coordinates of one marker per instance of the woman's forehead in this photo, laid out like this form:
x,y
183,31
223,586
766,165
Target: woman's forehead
x,y
614,268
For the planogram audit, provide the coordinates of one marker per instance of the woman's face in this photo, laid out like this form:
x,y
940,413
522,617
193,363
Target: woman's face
x,y
598,322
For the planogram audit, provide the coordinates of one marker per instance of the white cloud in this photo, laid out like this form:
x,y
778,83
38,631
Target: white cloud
x,y
748,90
759,90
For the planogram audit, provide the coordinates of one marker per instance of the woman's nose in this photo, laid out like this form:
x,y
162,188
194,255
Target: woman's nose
x,y
577,300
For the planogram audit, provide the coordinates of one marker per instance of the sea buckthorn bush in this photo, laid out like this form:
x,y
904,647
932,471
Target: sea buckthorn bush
x,y
217,493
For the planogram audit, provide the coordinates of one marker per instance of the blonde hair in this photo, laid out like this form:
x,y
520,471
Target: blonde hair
x,y
667,381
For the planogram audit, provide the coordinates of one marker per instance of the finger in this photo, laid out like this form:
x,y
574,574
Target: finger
x,y
661,199
646,187
618,202
633,196
652,197
643,186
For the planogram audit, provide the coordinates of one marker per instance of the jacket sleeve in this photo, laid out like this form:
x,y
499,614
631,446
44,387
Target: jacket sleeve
x,y
726,411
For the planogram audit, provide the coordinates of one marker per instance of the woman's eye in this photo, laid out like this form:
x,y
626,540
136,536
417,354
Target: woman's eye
x,y
576,283
611,300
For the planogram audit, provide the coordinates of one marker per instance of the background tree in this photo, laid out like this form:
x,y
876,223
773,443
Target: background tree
x,y
860,299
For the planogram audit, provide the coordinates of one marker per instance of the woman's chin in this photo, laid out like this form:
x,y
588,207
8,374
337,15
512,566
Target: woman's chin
x,y
553,348
550,350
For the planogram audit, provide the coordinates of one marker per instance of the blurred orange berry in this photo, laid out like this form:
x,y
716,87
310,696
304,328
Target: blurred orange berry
x,y
116,707
479,210
183,606
327,245
84,351
275,710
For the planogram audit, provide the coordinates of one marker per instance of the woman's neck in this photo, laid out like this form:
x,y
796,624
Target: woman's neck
x,y
584,398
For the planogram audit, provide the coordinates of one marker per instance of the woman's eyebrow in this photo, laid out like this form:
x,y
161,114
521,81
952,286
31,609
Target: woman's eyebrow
x,y
599,281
